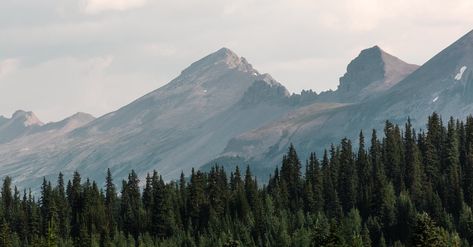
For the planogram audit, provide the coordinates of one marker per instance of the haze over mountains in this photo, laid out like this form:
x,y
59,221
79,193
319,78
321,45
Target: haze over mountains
x,y
220,109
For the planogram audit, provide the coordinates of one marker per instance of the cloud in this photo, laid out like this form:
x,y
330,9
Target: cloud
x,y
97,55
8,66
97,6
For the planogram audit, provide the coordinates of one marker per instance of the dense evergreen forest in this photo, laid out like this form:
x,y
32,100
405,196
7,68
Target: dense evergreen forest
x,y
404,189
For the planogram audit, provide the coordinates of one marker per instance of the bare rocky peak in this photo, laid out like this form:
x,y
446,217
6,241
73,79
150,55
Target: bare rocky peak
x,y
76,120
223,59
81,116
70,123
265,89
27,118
374,70
20,124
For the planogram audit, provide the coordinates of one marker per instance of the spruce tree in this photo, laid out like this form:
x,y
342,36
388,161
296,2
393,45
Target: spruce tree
x,y
426,233
348,177
413,177
365,178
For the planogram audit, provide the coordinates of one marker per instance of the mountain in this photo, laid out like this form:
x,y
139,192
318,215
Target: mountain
x,y
222,110
21,123
372,72
68,124
181,125
443,84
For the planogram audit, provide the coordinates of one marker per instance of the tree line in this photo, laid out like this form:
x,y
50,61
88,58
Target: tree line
x,y
403,189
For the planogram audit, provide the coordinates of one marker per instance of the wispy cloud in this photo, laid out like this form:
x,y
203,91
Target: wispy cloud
x,y
97,6
8,66
98,55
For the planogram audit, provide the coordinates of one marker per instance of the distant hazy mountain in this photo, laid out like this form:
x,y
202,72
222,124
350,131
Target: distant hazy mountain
x,y
21,123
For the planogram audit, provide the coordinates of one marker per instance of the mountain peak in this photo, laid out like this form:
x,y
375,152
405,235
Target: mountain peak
x,y
373,70
28,118
223,58
82,116
225,52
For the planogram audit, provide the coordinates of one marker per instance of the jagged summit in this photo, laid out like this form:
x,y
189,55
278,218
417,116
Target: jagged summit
x,y
224,58
81,116
28,118
70,123
372,71
20,123
221,76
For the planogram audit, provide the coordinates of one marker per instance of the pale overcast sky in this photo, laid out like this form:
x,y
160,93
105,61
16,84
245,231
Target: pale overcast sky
x,y
58,57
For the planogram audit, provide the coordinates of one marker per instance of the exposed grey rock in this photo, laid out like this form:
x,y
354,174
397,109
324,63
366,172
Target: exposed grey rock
x,y
373,72
20,124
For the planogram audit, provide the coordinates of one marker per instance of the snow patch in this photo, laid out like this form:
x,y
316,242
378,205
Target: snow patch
x,y
460,74
435,99
205,90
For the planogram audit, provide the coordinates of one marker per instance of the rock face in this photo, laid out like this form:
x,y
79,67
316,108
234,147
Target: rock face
x,y
267,91
371,73
20,124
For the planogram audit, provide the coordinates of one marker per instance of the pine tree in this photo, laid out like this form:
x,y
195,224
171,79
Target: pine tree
x,y
63,208
468,166
426,233
332,203
7,199
348,177
454,193
365,236
5,235
131,206
51,238
392,155
365,178
251,188
163,221
379,178
46,205
291,174
433,150
110,203
413,177
198,204
75,200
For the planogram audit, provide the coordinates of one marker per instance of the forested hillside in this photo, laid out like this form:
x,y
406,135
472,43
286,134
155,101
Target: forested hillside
x,y
403,188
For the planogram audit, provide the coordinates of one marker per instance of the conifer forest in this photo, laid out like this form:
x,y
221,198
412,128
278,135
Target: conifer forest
x,y
403,187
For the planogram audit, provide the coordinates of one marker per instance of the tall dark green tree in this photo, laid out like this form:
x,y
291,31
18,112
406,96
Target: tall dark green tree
x,y
365,178
131,210
348,176
413,163
291,175
110,203
392,155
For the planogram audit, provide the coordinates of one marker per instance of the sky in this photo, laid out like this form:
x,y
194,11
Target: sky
x,y
59,57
